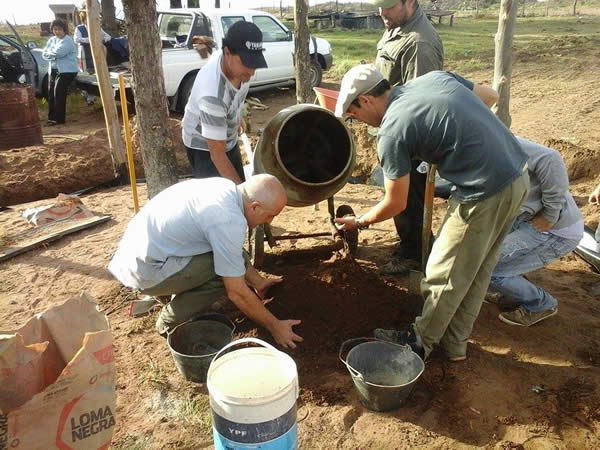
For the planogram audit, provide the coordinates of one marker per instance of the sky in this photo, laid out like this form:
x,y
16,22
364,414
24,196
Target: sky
x,y
33,11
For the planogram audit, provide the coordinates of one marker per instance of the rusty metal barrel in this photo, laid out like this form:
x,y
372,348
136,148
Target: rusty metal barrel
x,y
309,150
19,118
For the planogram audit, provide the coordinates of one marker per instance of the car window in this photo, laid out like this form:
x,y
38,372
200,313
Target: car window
x,y
173,25
226,22
271,30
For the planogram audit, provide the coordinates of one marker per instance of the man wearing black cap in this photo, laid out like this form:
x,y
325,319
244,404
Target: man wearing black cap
x,y
213,114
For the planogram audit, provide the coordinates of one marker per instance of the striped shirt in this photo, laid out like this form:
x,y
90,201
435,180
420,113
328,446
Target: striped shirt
x,y
214,109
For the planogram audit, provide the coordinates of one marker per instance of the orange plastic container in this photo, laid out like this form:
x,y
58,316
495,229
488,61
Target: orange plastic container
x,y
327,98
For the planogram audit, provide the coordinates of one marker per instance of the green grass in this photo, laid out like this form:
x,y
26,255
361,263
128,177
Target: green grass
x,y
195,411
469,44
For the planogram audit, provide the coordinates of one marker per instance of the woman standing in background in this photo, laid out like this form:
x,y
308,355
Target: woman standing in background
x,y
60,51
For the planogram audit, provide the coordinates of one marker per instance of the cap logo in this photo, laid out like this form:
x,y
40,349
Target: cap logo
x,y
254,46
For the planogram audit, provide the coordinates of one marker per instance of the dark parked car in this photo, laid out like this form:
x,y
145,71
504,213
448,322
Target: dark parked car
x,y
23,63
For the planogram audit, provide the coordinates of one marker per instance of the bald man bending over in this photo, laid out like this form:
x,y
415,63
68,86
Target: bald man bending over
x,y
187,242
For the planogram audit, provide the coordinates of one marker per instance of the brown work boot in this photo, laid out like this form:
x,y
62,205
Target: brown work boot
x,y
523,318
399,266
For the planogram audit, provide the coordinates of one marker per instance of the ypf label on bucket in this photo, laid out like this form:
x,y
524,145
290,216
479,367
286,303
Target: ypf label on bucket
x,y
287,441
277,434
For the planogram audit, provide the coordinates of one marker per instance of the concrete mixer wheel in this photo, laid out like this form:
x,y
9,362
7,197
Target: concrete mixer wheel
x,y
351,237
257,246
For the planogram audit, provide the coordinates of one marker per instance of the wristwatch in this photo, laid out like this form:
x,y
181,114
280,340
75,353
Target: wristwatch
x,y
359,225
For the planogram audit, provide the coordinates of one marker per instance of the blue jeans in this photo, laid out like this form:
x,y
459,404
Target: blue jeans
x,y
524,250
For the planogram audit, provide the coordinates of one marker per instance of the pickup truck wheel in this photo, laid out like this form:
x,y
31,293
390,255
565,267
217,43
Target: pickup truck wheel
x,y
316,73
186,91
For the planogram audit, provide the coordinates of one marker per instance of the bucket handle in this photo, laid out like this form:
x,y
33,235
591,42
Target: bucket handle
x,y
353,342
244,341
217,317
257,342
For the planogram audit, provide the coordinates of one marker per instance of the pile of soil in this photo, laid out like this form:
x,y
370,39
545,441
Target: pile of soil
x,y
580,161
365,146
346,301
68,165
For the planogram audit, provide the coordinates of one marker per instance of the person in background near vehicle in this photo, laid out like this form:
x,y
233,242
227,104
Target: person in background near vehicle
x,y
410,47
549,225
60,51
213,114
187,242
80,36
443,119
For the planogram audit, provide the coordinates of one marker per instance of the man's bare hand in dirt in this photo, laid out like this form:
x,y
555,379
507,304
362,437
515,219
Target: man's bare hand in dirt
x,y
594,197
265,284
284,335
540,223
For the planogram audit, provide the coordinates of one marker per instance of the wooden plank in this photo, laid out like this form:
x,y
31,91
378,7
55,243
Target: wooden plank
x,y
35,237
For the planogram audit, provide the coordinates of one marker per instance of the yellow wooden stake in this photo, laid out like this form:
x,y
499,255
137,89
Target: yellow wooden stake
x,y
130,163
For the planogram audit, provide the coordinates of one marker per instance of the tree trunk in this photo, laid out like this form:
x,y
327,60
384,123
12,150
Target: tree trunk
x,y
109,21
301,52
574,7
149,94
503,58
113,128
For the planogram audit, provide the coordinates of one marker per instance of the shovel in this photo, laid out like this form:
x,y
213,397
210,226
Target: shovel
x,y
415,276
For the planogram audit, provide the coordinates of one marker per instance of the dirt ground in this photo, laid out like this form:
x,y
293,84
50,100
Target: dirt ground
x,y
533,388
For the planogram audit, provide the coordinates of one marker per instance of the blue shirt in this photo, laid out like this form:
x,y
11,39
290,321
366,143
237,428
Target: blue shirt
x,y
62,54
437,118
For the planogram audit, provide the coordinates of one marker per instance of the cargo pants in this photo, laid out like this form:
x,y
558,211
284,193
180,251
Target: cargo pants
x,y
193,289
461,264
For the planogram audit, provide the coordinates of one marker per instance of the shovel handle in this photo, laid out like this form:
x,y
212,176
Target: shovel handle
x,y
428,214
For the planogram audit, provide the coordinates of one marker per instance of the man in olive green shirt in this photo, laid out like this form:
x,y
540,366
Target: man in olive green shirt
x,y
410,47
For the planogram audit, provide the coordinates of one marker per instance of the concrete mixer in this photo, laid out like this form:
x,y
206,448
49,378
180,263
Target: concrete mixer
x,y
312,153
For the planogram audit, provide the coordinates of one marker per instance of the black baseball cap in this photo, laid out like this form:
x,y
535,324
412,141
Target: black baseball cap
x,y
245,39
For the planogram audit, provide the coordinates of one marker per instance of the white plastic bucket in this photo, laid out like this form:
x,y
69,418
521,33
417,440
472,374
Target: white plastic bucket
x,y
253,394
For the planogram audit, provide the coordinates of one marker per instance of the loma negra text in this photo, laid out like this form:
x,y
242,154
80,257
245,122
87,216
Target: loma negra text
x,y
92,423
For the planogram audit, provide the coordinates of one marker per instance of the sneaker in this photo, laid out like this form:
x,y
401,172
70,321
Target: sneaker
x,y
399,266
496,298
407,336
524,318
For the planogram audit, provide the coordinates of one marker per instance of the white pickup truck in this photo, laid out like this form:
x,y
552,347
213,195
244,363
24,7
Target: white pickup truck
x,y
181,62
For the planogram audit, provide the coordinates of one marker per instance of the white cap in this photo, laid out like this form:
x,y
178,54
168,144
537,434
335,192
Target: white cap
x,y
357,81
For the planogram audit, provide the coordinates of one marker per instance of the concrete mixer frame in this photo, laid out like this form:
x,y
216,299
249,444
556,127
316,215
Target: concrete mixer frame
x,y
258,234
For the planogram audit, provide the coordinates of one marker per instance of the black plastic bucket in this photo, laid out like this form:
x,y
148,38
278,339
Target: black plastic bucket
x,y
384,373
195,343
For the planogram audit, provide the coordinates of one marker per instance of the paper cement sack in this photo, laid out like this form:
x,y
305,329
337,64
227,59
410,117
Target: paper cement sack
x,y
57,380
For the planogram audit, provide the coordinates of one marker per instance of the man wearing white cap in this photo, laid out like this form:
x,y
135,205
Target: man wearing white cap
x,y
410,47
442,119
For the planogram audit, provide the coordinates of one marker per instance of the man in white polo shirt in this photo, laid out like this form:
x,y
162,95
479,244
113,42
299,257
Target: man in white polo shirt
x,y
213,114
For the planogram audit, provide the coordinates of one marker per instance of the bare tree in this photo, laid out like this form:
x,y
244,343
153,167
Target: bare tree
x,y
574,7
115,141
301,52
503,58
109,20
150,95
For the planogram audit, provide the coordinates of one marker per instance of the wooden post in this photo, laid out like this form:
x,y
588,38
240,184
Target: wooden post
x,y
115,142
503,58
301,52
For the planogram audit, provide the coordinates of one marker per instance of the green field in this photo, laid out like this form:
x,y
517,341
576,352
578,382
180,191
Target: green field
x,y
469,44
